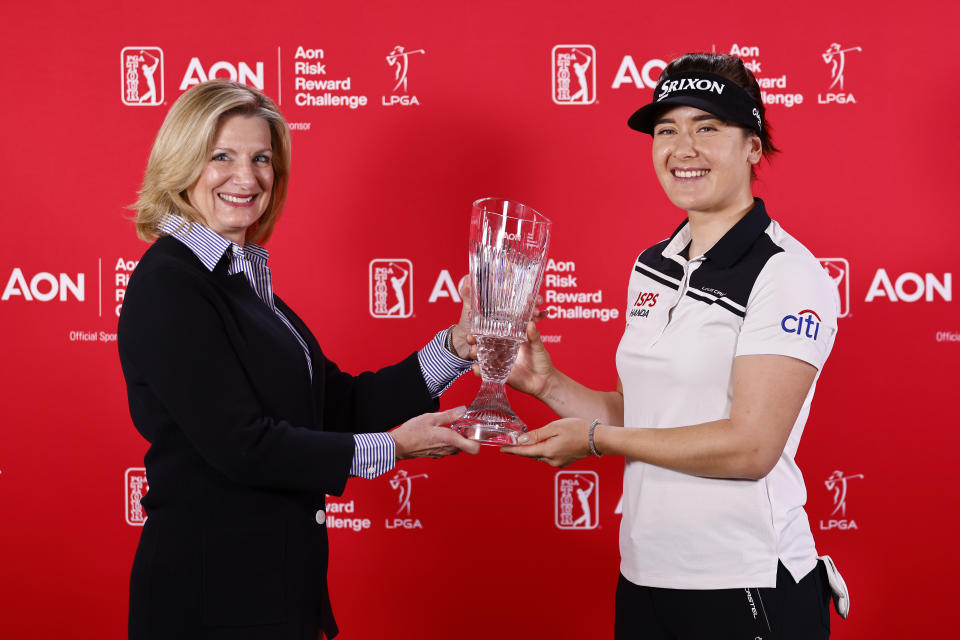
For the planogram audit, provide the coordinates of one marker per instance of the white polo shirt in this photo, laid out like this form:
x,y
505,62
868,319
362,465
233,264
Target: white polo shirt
x,y
756,291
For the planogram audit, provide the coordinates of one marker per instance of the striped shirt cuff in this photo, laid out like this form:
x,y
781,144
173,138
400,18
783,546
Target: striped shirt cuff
x,y
440,368
374,454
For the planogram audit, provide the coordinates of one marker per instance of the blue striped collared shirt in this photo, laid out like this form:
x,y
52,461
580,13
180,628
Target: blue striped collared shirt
x,y
374,453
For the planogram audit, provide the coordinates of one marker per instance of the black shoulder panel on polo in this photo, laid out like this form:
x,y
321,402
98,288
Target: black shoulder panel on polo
x,y
654,259
733,264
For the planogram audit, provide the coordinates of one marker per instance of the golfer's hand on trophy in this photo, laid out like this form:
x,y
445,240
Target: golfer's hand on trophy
x,y
426,436
533,367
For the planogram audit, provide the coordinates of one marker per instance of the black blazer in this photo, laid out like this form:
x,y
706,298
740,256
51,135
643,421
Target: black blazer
x,y
243,447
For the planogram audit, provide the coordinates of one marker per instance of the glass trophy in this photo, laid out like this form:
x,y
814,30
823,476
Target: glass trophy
x,y
508,253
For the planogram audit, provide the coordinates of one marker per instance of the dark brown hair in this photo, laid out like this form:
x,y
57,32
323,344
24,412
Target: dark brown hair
x,y
733,69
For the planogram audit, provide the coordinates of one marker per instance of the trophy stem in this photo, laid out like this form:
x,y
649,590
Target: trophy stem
x,y
489,418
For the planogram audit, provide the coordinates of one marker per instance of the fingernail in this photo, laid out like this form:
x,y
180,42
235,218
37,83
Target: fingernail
x,y
462,409
524,439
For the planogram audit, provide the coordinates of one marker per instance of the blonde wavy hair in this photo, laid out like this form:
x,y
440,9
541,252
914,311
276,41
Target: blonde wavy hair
x,y
182,149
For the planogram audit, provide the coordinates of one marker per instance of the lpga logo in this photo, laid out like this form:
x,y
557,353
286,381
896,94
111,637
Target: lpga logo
x,y
391,288
837,483
141,76
399,61
402,483
802,324
836,57
581,59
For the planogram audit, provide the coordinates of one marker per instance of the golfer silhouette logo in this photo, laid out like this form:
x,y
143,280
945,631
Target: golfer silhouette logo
x,y
574,74
837,483
135,479
402,483
391,288
576,500
141,76
836,57
838,270
399,61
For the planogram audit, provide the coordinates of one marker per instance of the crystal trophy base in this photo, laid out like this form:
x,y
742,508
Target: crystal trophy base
x,y
489,418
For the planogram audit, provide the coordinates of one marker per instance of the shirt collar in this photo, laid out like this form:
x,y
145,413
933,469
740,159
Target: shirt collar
x,y
206,244
734,243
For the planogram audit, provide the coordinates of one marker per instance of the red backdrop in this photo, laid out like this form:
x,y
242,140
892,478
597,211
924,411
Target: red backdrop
x,y
862,102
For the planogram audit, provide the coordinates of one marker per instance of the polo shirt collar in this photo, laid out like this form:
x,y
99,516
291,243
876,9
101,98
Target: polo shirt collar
x,y
734,243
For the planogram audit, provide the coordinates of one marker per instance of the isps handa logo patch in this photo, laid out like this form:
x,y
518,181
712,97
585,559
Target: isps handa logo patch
x,y
645,300
805,324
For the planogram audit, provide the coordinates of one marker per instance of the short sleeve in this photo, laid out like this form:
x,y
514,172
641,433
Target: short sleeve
x,y
792,311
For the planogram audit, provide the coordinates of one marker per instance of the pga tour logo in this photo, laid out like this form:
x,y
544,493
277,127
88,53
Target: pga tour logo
x,y
838,270
135,481
391,288
574,74
141,76
576,499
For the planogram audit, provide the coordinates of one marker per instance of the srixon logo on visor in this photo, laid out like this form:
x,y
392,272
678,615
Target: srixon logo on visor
x,y
802,324
687,84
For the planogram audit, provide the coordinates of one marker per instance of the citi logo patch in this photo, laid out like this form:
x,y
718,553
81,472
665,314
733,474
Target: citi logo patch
x,y
802,324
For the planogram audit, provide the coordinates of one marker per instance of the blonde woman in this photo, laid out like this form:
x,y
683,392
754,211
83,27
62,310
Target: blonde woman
x,y
249,424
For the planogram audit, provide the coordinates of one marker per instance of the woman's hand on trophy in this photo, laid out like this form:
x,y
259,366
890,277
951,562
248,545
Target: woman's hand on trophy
x,y
426,437
558,443
533,369
460,332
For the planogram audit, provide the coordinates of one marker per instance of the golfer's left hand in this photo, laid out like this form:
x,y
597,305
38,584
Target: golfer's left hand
x,y
558,443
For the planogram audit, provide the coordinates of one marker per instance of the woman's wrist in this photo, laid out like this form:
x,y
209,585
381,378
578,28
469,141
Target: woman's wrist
x,y
551,390
454,341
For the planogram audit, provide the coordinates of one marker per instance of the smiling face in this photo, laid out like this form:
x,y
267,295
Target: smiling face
x,y
235,186
702,162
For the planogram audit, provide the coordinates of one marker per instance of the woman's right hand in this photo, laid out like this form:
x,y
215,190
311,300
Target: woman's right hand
x,y
533,369
425,436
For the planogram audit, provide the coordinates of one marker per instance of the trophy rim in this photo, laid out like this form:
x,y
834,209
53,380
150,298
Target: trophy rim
x,y
538,218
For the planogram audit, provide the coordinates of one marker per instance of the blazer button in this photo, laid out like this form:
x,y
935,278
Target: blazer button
x,y
321,517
